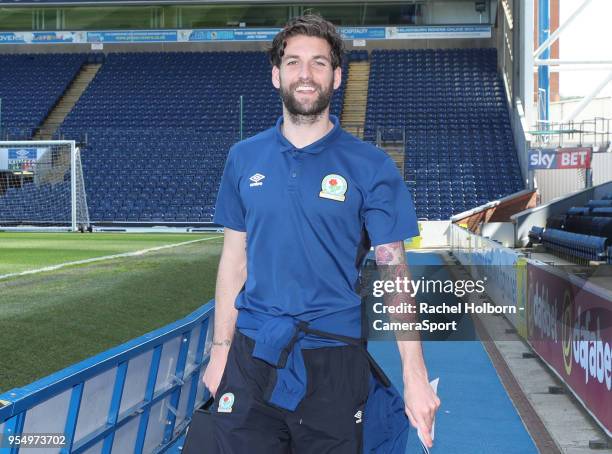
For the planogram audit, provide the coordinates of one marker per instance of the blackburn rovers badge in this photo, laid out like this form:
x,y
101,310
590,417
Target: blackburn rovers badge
x,y
226,402
333,187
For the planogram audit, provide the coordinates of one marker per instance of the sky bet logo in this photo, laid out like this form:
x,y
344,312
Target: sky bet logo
x,y
560,158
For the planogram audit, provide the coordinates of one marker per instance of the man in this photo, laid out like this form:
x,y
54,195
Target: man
x,y
287,369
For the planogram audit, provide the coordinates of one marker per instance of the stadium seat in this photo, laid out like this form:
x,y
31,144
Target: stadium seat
x,y
449,106
159,126
30,85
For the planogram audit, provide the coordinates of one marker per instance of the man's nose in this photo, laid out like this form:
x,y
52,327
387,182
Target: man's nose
x,y
305,71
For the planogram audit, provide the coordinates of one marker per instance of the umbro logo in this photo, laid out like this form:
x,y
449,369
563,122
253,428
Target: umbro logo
x,y
358,417
257,179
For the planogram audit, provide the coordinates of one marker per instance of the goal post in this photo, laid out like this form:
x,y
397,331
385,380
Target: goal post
x,y
42,185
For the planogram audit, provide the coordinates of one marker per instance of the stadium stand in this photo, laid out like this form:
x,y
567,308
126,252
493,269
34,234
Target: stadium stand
x,y
459,147
13,209
159,126
583,233
30,85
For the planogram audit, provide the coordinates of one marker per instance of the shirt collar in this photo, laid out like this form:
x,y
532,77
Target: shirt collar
x,y
315,147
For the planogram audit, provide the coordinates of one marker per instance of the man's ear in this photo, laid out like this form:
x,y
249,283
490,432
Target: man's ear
x,y
276,77
337,77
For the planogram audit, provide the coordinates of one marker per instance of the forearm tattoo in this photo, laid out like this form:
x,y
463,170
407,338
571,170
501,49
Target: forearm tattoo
x,y
390,254
222,343
391,261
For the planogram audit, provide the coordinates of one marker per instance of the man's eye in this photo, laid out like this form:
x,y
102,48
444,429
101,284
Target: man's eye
x,y
321,63
292,62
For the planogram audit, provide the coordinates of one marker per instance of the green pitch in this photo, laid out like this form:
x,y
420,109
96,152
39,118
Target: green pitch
x,y
53,319
25,251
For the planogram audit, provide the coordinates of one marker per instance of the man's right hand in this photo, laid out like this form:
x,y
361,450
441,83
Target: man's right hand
x,y
215,368
230,279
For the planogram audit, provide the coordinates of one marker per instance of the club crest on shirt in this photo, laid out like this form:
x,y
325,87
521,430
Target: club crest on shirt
x,y
226,402
333,187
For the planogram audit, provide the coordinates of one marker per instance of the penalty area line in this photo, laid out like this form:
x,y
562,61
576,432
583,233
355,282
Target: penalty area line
x,y
106,257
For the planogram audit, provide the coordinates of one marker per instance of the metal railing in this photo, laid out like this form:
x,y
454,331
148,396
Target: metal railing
x,y
138,397
594,132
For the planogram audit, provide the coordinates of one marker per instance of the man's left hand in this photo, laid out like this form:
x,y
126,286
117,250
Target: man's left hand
x,y
420,404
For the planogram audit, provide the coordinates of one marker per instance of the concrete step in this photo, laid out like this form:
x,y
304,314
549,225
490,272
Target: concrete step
x,y
356,98
67,101
360,105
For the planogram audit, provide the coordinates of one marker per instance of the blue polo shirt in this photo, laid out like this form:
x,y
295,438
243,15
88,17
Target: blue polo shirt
x,y
303,210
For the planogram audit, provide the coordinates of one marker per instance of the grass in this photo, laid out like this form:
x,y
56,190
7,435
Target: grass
x,y
51,320
24,251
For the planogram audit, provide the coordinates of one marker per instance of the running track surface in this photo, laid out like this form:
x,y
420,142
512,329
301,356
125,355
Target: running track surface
x,y
476,415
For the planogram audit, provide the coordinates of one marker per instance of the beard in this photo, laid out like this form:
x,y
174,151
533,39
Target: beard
x,y
309,111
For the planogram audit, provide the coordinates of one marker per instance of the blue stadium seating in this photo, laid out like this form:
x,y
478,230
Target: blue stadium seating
x,y
583,232
459,146
584,247
535,234
14,210
30,85
579,211
604,211
159,126
602,203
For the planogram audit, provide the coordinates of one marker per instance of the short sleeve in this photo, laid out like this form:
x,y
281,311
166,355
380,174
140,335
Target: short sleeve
x,y
229,210
388,210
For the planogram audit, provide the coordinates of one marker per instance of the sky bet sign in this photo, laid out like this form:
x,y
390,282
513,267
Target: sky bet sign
x,y
560,158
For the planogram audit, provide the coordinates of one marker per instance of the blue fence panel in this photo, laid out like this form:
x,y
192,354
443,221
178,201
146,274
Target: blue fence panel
x,y
137,397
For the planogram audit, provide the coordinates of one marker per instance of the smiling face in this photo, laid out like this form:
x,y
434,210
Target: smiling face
x,y
305,78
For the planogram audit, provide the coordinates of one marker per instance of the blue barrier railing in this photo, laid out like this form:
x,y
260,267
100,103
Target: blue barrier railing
x,y
137,397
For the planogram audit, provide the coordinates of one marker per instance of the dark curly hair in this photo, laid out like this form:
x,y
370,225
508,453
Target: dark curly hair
x,y
308,25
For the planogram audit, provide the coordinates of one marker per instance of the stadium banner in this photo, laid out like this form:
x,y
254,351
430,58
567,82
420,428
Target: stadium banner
x,y
20,159
560,158
53,37
225,34
38,37
569,324
136,36
12,38
363,32
235,34
439,32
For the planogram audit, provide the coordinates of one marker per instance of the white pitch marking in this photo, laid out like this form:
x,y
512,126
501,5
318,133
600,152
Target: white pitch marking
x,y
106,257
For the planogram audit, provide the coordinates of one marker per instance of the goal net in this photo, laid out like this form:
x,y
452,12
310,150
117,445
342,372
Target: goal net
x,y
41,185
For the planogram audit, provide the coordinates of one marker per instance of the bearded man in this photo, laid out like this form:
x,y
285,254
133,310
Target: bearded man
x,y
288,367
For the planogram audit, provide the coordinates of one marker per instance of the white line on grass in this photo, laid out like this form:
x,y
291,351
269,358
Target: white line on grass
x,y
106,257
